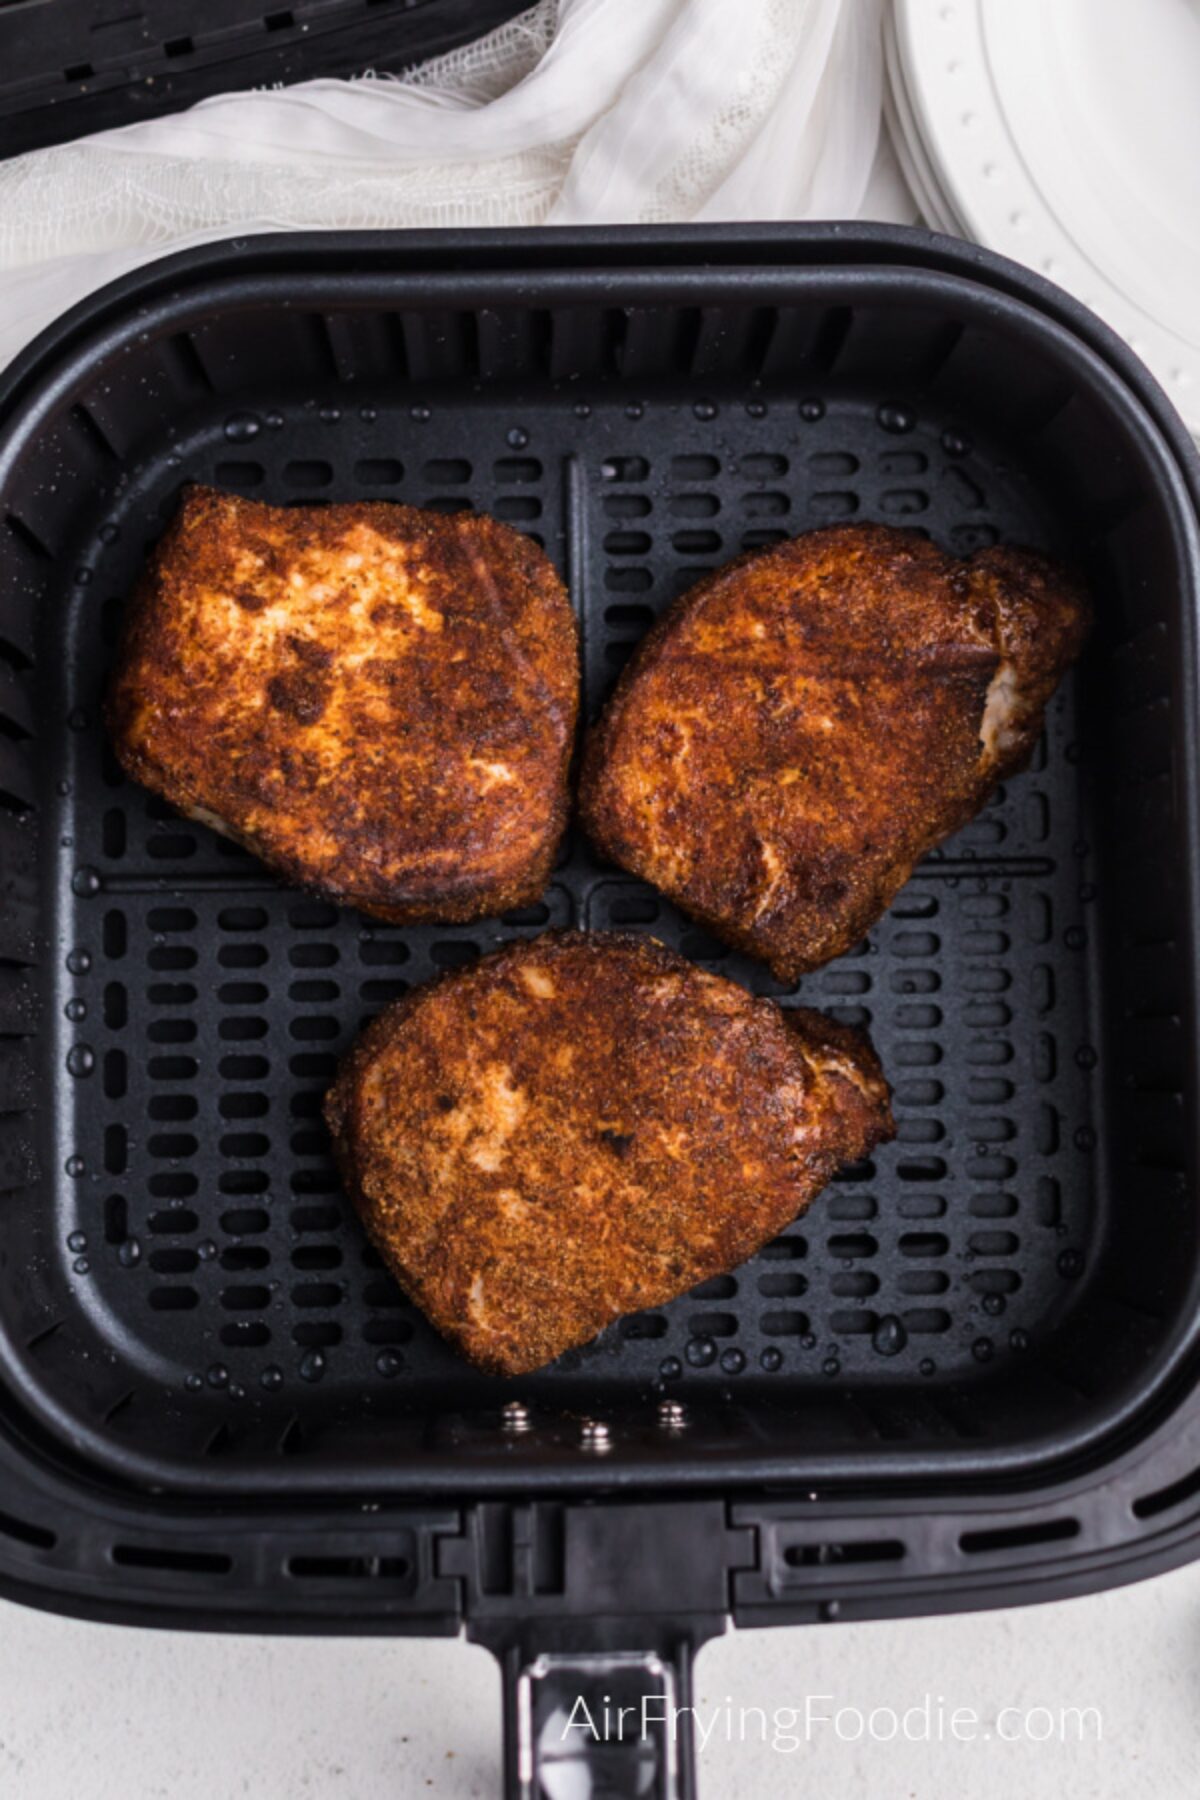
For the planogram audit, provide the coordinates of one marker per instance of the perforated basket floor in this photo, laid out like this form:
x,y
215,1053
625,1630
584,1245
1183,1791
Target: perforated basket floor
x,y
215,1005
200,1296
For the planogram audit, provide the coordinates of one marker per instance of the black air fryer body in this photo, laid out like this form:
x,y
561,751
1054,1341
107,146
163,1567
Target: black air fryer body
x,y
967,1372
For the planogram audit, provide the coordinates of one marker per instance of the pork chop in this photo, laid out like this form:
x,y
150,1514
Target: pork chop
x,y
379,701
805,724
585,1125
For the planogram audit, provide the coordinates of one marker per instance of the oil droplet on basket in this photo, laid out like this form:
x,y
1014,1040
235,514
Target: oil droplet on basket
x,y
83,577
1085,1056
78,962
76,1009
982,1349
733,1362
896,419
704,409
831,1366
1018,1339
670,1368
81,1265
129,1253
193,1384
109,533
274,420
955,444
77,1241
771,1358
812,410
889,1336
237,1392
634,410
808,1340
582,410
421,414
389,1363
217,1375
367,414
757,409
312,1366
85,882
516,438
241,427
81,1060
994,1304
271,1377
206,1250
700,1351
1070,1263
74,1166
927,1366
329,415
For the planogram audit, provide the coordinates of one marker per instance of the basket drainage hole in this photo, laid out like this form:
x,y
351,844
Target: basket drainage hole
x,y
116,1219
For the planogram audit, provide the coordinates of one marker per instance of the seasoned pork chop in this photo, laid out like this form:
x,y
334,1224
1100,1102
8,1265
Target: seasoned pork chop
x,y
379,701
808,722
584,1125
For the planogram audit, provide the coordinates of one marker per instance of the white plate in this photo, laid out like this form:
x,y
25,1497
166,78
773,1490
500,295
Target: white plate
x,y
1066,133
906,139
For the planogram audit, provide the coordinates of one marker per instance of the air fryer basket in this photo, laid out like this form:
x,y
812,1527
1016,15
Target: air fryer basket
x,y
1000,1303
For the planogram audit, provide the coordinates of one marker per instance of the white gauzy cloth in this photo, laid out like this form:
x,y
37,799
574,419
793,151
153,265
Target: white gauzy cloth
x,y
578,111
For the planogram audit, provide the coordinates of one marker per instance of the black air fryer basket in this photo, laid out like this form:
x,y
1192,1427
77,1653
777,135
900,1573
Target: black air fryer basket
x,y
967,1374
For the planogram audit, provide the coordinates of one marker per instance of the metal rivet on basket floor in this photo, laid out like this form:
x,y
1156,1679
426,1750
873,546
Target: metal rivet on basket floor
x,y
672,1415
514,1416
594,1435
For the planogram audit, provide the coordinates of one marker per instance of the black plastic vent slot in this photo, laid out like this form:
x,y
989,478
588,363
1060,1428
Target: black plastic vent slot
x,y
1018,1537
176,1561
855,1550
1148,1506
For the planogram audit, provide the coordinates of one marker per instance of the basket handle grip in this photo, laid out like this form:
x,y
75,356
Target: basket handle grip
x,y
611,1724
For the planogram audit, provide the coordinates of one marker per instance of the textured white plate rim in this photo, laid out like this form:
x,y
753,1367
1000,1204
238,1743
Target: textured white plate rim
x,y
906,138
1124,198
942,55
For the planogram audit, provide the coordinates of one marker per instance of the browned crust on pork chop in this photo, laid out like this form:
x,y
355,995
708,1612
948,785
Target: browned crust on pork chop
x,y
587,1125
379,701
805,724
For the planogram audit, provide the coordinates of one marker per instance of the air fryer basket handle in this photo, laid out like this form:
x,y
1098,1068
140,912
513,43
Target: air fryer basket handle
x,y
595,1611
623,1716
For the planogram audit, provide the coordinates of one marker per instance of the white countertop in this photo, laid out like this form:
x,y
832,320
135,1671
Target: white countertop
x,y
115,1714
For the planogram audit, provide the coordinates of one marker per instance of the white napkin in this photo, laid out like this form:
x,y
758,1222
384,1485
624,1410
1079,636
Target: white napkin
x,y
577,111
